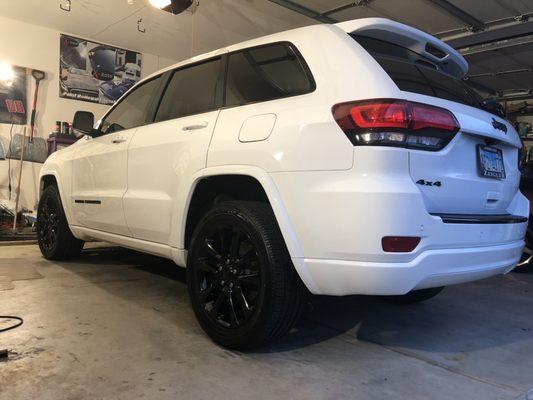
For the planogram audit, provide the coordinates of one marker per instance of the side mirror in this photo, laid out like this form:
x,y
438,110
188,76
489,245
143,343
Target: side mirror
x,y
494,107
84,122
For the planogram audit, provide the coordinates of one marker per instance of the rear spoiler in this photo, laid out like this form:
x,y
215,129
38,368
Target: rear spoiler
x,y
416,40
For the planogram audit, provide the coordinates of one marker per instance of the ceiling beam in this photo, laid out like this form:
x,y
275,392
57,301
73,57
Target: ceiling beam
x,y
291,5
497,33
500,44
501,73
358,3
475,24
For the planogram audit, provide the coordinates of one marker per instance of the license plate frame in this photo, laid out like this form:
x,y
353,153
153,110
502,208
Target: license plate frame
x,y
490,162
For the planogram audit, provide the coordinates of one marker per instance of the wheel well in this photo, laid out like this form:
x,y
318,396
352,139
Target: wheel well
x,y
46,181
214,189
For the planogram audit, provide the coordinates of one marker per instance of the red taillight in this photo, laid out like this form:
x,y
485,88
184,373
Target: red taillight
x,y
399,244
427,117
396,123
380,115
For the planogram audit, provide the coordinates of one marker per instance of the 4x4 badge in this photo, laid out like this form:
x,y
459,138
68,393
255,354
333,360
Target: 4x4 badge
x,y
499,125
429,183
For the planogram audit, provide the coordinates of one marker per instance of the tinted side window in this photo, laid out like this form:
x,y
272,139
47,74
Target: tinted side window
x,y
266,73
131,111
191,91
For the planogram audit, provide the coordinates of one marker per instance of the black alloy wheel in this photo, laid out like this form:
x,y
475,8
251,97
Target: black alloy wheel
x,y
48,224
228,275
242,284
54,236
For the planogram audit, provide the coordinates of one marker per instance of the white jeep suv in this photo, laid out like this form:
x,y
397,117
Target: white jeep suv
x,y
336,159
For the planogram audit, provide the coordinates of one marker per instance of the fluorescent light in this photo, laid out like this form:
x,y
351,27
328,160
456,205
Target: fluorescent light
x,y
7,74
160,3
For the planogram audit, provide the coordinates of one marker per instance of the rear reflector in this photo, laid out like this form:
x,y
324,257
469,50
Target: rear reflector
x,y
396,123
399,244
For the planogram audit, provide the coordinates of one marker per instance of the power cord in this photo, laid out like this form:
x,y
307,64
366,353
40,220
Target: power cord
x,y
19,323
4,353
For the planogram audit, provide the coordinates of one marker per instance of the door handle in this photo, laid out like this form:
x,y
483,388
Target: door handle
x,y
119,139
193,127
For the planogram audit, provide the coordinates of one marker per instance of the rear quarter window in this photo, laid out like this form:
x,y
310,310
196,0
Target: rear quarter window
x,y
266,73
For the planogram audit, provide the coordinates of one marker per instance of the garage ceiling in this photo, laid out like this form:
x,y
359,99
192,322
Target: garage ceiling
x,y
217,23
496,36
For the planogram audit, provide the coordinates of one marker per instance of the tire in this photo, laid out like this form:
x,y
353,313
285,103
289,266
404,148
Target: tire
x,y
243,287
415,296
55,239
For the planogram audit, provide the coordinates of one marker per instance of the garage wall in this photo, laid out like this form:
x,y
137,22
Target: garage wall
x,y
37,47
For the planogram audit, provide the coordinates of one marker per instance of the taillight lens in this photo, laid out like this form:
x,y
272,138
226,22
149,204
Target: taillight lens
x,y
396,123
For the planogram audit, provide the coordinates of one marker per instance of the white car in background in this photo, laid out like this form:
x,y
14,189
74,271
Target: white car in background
x,y
339,159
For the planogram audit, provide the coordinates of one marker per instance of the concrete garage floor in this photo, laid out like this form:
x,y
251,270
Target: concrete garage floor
x,y
116,324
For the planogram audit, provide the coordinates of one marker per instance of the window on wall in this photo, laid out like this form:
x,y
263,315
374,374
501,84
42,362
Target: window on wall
x,y
191,90
266,73
131,112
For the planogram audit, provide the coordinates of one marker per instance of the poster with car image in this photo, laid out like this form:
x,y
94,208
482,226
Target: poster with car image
x,y
13,96
96,72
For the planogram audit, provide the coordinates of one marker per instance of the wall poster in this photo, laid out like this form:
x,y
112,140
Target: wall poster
x,y
13,98
95,72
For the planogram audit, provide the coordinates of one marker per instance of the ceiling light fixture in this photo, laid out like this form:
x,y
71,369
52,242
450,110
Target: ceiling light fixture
x,y
160,3
7,74
65,5
140,26
174,6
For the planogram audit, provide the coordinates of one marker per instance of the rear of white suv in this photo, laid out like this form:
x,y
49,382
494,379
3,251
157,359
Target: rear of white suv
x,y
432,196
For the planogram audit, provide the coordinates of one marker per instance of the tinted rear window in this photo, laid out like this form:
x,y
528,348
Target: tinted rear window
x,y
414,73
266,73
191,90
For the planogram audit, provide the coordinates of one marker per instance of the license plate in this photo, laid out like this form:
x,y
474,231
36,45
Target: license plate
x,y
490,162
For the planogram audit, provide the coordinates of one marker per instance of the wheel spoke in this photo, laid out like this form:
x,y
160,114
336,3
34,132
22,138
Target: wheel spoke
x,y
242,302
211,250
232,314
251,278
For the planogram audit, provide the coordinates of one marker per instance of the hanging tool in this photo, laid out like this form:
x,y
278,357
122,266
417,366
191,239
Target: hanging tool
x,y
38,76
20,178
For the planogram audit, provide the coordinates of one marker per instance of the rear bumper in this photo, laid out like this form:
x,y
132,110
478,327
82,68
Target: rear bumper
x,y
340,217
431,268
